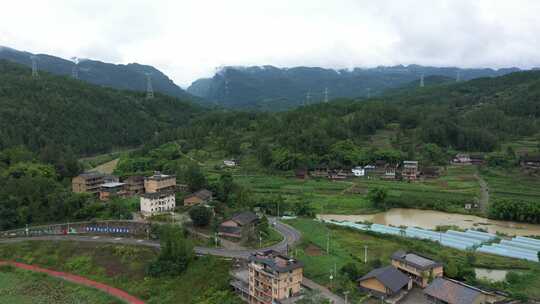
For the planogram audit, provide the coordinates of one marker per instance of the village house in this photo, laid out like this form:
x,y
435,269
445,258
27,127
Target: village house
x,y
159,182
112,189
462,159
319,172
358,171
390,171
443,290
239,225
230,163
419,268
88,182
200,197
530,162
384,283
430,172
337,174
134,185
410,170
157,202
301,173
273,277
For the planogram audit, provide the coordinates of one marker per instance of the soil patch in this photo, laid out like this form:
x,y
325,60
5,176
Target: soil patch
x,y
312,250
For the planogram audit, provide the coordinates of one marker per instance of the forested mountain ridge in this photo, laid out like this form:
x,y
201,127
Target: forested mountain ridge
x,y
56,113
271,88
431,123
129,77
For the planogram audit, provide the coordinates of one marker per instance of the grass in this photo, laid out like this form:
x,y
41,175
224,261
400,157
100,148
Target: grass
x,y
97,160
25,287
124,267
347,246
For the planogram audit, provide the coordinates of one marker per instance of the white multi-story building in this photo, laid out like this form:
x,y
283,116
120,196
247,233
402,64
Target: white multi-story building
x,y
157,202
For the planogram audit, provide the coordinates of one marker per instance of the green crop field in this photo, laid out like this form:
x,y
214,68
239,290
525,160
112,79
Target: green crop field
x,y
124,267
24,287
512,184
347,246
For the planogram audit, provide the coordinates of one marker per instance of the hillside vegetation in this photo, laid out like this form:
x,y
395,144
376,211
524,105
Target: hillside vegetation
x,y
54,113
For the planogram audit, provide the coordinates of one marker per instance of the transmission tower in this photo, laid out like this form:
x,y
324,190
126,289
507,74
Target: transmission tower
x,y
458,76
75,69
308,98
422,80
368,92
149,89
34,66
325,95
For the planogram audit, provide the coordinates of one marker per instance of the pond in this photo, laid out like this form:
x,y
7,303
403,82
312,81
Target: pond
x,y
429,219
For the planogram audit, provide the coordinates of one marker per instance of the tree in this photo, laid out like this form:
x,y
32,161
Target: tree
x,y
378,196
175,255
225,186
304,208
451,270
351,271
200,215
195,178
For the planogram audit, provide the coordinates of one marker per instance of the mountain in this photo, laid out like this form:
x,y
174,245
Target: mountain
x,y
58,112
268,87
129,77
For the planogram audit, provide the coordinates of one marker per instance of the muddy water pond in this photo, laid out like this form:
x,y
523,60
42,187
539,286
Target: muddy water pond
x,y
429,219
494,275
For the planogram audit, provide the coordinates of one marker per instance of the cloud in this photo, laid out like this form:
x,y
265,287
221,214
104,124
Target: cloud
x,y
188,39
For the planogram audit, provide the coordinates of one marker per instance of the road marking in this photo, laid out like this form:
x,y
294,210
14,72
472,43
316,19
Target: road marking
x,y
95,237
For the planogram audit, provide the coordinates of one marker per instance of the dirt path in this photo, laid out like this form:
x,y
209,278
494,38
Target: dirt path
x,y
108,167
484,193
115,292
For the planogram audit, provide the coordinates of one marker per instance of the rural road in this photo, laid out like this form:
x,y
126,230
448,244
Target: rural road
x,y
290,237
483,202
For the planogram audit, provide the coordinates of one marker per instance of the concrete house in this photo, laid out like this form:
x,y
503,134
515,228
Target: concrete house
x,y
200,197
385,282
410,170
358,171
239,225
419,268
134,184
462,159
230,163
157,202
112,189
88,182
159,182
273,277
530,162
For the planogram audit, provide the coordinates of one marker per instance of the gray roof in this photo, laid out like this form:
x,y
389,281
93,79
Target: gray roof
x,y
112,185
415,260
389,276
230,230
202,194
276,261
245,218
452,292
91,174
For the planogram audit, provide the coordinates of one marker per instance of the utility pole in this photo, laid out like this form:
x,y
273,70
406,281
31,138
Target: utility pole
x,y
260,240
365,254
328,243
149,88
346,293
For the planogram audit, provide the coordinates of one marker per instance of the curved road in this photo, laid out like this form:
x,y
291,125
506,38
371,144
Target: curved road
x,y
290,237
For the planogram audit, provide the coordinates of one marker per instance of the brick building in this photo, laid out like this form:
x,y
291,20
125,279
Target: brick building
x,y
159,182
88,182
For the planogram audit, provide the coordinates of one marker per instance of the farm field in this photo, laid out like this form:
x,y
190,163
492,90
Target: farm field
x,y
456,187
347,246
24,287
124,267
512,184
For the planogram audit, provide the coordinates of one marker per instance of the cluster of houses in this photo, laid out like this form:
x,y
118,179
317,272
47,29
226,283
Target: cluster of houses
x,y
157,192
407,170
392,283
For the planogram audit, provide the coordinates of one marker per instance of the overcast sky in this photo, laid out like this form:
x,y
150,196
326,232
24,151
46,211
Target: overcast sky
x,y
188,39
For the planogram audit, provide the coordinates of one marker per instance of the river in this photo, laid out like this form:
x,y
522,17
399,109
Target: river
x,y
429,219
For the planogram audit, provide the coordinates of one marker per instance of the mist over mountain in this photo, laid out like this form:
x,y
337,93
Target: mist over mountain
x,y
272,88
119,76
